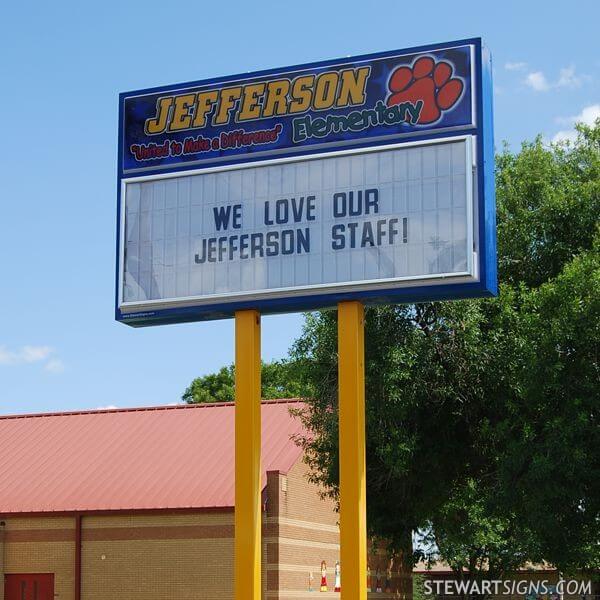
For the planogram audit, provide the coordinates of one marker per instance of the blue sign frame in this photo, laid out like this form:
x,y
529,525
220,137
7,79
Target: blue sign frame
x,y
155,129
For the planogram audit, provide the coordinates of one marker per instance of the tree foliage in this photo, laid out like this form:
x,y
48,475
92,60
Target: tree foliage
x,y
482,415
279,379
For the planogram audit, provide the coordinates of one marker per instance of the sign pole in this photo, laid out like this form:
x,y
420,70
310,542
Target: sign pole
x,y
353,504
247,456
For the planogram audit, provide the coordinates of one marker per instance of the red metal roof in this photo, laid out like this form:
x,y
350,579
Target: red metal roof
x,y
171,457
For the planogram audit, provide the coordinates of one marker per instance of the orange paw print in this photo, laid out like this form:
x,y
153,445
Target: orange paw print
x,y
428,81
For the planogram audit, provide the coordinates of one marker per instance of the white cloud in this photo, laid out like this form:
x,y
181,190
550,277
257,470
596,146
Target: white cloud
x,y
26,354
587,116
36,353
565,135
108,407
537,81
515,66
55,365
567,78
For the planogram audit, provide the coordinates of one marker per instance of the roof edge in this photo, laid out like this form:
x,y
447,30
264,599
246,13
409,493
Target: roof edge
x,y
164,407
114,511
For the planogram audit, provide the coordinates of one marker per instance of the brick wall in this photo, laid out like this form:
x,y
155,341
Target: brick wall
x,y
42,545
158,557
150,557
302,531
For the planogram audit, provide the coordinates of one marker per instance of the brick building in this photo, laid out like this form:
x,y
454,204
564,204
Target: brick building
x,y
138,505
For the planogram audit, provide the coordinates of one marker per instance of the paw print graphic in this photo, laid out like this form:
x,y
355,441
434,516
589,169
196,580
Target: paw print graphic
x,y
428,81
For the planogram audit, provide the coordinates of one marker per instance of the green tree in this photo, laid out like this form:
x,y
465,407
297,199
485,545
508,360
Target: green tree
x,y
548,207
279,379
482,415
214,387
538,495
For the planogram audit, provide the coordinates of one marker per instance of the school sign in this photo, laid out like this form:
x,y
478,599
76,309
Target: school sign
x,y
366,178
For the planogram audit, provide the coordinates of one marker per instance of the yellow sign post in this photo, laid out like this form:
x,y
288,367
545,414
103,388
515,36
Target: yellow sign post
x,y
247,456
353,521
353,503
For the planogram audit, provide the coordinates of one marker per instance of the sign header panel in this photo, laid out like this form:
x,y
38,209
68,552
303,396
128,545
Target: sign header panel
x,y
335,104
365,178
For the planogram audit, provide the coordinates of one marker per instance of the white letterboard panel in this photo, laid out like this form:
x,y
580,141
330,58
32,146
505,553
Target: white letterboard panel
x,y
356,220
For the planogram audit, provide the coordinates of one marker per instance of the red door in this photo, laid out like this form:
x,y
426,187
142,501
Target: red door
x,y
30,586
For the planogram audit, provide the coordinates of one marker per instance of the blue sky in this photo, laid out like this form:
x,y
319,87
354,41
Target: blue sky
x,y
63,65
